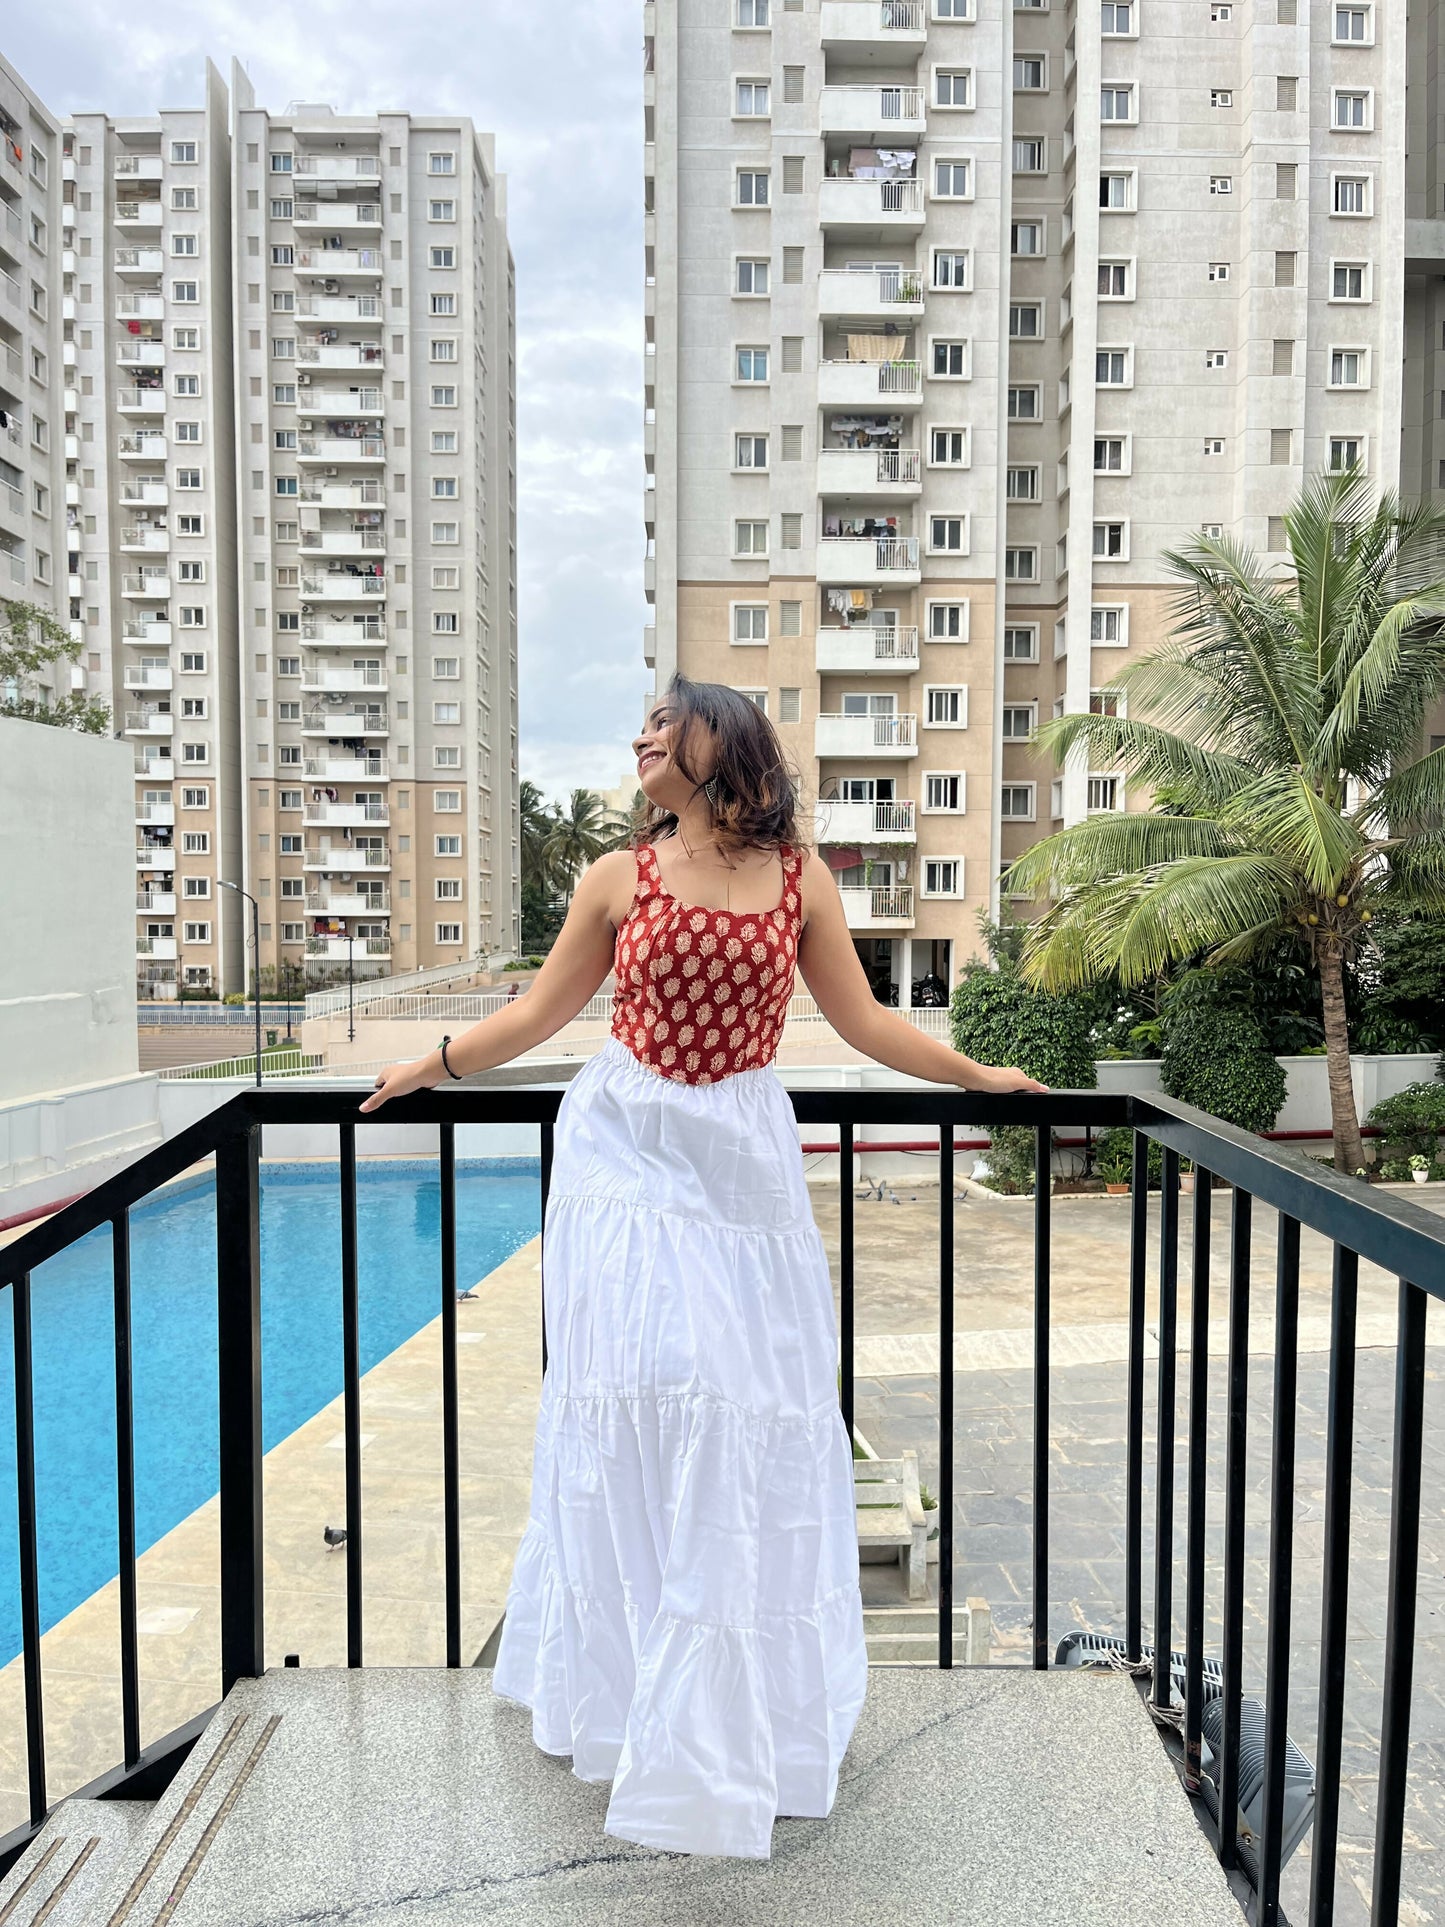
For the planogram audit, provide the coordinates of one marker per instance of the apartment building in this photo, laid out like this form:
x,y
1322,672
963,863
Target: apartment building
x,y
33,551
959,316
287,449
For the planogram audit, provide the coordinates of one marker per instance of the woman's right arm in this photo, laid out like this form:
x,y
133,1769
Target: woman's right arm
x,y
576,966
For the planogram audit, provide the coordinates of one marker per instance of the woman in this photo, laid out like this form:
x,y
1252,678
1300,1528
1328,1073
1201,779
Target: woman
x,y
684,1617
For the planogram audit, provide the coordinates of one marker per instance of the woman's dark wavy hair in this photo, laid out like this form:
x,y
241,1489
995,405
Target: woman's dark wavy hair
x,y
751,791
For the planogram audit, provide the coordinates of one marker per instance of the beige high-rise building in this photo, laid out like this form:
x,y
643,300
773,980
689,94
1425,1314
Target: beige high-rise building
x,y
958,318
286,443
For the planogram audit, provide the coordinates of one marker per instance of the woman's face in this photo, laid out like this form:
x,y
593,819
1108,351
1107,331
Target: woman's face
x,y
657,774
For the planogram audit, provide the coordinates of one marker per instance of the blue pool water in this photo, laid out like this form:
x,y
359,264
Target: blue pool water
x,y
173,1326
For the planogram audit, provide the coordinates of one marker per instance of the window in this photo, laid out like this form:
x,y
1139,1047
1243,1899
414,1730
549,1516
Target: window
x,y
183,152
446,756
1111,455
750,538
953,87
752,277
948,534
443,348
750,100
281,257
750,622
1106,702
1025,321
195,799
1116,21
1019,720
184,200
752,187
188,478
445,532
283,302
186,386
947,622
953,9
750,451
943,876
283,347
443,257
1284,180
759,697
185,291
444,397
441,210
1030,154
445,801
287,485
195,752
186,246
950,359
1349,281
190,525
1021,565
753,13
193,661
751,365
1116,192
943,791
444,441
1216,357
190,571
1116,102
1214,445
1016,802
1352,110
1113,367
445,575
1221,183
1026,237
1219,270
445,622
1221,96
1021,643
1022,484
1351,194
443,304
945,706
1103,794
1024,404
1111,541
1346,451
282,210
1116,281
1286,93
1353,27
1030,74
952,180
948,447
1349,368
449,933
446,712
1109,624
1221,12
447,845
950,268
191,616
442,163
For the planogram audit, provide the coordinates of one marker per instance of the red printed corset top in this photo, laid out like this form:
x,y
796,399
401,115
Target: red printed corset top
x,y
702,994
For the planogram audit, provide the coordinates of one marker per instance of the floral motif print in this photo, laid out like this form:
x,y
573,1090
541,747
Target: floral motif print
x,y
702,994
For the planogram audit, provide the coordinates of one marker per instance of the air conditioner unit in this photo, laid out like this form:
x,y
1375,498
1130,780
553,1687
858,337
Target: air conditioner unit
x,y
303,381
335,696
306,609
346,876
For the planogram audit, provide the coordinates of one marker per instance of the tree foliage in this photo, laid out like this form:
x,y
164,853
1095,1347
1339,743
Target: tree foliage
x,y
33,641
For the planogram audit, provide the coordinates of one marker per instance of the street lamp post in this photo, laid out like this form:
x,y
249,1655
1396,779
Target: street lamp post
x,y
256,945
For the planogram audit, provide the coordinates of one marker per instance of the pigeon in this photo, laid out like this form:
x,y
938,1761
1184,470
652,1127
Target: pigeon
x,y
335,1536
463,1297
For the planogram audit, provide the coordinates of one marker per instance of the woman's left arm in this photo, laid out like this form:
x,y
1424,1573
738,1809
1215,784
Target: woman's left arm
x,y
830,967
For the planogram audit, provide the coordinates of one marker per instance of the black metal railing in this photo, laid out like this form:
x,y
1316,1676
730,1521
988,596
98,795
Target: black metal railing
x,y
1391,1232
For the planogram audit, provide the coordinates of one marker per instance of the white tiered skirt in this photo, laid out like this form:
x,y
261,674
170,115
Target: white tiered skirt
x,y
684,1617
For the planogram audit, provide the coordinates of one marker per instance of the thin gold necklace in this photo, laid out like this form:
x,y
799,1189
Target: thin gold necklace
x,y
727,886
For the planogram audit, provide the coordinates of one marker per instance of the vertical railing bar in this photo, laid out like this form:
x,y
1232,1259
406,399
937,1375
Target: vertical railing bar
x,y
845,1270
1235,1459
125,1486
1164,1429
1281,1569
1400,1605
1043,1181
451,1453
29,1561
945,1395
548,1136
1339,1453
238,1334
351,1373
1195,1518
1134,1423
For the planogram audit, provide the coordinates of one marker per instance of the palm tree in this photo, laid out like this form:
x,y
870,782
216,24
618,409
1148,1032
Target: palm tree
x,y
538,821
1280,726
580,834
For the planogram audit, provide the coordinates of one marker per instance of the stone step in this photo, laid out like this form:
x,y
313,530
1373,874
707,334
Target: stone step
x,y
909,1634
416,1798
57,1878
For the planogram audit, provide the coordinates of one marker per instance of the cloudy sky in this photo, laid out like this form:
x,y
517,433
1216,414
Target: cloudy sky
x,y
562,91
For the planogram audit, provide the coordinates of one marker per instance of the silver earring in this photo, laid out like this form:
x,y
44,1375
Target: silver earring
x,y
712,790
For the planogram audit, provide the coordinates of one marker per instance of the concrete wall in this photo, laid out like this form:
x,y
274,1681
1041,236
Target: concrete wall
x,y
67,909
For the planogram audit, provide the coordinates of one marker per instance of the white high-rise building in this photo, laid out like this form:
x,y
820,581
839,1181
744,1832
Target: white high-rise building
x,y
958,318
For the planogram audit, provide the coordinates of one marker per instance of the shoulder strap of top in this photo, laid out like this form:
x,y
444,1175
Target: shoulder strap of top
x,y
648,880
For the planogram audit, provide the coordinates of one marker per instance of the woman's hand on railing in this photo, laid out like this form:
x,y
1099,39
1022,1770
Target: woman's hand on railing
x,y
1002,1078
421,1074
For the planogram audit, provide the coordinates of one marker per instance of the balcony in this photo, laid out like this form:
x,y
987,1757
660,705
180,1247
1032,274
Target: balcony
x,y
870,294
357,493
141,538
139,213
139,261
14,569
336,767
342,860
148,584
884,909
343,585
341,451
155,856
145,445
155,903
138,167
864,384
152,492
861,648
144,399
870,472
340,354
340,724
155,813
343,631
883,115
341,815
316,676
158,634
889,736
342,950
337,216
345,169
140,307
849,823
866,559
890,206
348,402
342,541
149,722
148,678
326,264
874,26
155,764
159,949
337,901
136,351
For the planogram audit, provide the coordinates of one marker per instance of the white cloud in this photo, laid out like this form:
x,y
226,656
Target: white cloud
x,y
563,95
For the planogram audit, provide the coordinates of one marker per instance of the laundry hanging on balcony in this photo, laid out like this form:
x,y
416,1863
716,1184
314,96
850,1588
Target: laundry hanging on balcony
x,y
882,163
860,526
867,431
875,348
841,858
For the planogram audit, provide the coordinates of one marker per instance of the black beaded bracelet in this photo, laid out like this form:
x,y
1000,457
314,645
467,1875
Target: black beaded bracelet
x,y
445,1065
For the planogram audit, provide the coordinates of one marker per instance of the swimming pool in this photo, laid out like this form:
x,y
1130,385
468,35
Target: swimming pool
x,y
173,1336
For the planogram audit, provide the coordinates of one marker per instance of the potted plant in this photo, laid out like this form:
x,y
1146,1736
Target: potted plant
x,y
935,1536
1420,1169
1186,1176
1116,1169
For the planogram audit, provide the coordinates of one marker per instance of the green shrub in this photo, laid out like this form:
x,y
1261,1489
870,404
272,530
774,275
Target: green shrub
x,y
996,1018
1216,1058
1412,1122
